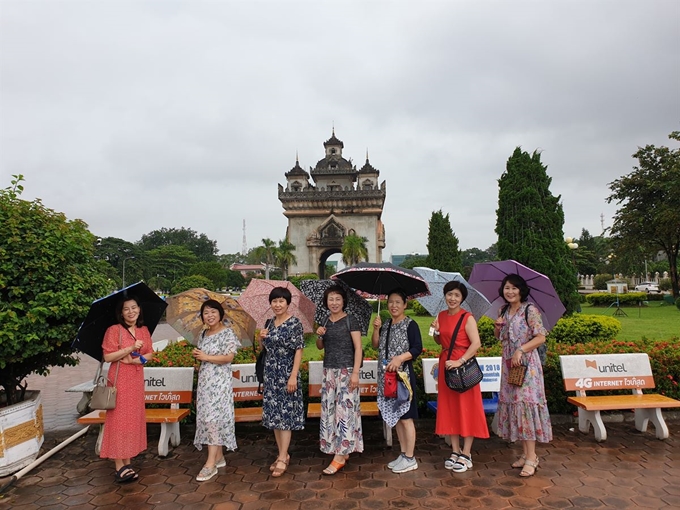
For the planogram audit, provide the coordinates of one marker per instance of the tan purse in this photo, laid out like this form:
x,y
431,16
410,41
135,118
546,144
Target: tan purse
x,y
516,375
103,395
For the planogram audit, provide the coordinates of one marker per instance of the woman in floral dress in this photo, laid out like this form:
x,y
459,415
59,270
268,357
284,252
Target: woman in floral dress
x,y
125,427
282,407
405,344
214,396
522,410
340,426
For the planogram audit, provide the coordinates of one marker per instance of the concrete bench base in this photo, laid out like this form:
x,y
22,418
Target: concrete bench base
x,y
367,409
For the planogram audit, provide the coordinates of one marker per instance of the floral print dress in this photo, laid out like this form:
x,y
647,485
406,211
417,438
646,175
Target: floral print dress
x,y
282,410
214,394
522,410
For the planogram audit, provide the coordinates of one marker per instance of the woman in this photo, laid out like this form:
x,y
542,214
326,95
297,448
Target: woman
x,y
214,396
458,414
399,343
522,410
340,426
282,407
125,426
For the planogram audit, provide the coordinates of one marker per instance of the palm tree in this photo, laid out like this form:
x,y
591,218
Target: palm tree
x,y
267,254
285,256
354,249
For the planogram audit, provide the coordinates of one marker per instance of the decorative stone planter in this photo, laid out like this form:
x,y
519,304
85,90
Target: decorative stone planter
x,y
21,433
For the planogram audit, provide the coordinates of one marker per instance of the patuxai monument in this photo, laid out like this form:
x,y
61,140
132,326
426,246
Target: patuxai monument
x,y
339,201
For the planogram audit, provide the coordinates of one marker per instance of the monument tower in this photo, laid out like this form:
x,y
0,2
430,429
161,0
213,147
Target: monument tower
x,y
341,201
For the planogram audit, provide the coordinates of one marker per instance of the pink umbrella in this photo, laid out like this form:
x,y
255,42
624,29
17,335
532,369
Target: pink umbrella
x,y
255,301
487,277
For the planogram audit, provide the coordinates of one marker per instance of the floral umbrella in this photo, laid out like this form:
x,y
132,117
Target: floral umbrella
x,y
377,279
356,305
184,314
475,303
255,300
487,278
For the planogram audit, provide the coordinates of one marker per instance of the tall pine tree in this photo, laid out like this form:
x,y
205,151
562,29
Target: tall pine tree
x,y
442,244
530,224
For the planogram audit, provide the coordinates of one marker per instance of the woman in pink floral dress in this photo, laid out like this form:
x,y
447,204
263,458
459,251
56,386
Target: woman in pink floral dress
x,y
522,410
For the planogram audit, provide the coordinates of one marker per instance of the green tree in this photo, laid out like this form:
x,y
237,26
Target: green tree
x,y
285,256
48,279
442,244
266,253
235,280
474,256
354,249
530,224
191,282
205,249
649,215
213,271
172,261
412,261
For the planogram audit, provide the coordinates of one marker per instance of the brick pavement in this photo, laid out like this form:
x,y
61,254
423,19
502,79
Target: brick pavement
x,y
629,470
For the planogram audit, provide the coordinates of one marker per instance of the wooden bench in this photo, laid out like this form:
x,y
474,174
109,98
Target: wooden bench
x,y
600,372
368,387
491,368
163,385
244,383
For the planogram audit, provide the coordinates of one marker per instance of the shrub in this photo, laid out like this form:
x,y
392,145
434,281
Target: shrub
x,y
296,279
374,304
419,309
606,299
600,281
665,284
580,328
677,303
485,328
384,315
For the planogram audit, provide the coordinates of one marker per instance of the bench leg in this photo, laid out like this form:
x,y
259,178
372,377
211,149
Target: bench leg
x,y
100,437
644,416
170,435
586,418
494,424
387,434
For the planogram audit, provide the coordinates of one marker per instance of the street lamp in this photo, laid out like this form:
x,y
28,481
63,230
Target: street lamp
x,y
126,258
572,246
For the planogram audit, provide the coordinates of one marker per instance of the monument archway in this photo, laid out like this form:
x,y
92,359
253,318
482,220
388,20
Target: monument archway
x,y
340,200
322,262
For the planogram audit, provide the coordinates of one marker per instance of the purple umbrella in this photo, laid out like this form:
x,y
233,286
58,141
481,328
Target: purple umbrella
x,y
487,277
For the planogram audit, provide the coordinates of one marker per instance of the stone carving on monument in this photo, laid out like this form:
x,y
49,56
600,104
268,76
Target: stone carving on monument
x,y
338,201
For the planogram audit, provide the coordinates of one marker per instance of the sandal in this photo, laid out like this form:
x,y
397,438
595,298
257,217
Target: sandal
x,y
273,466
529,468
278,471
519,463
448,463
333,468
129,475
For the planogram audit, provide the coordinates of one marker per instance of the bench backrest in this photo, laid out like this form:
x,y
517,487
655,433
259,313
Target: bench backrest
x,y
168,385
368,378
588,372
244,382
491,368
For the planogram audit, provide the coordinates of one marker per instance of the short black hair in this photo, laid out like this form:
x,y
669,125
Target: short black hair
x,y
119,311
212,303
335,289
280,292
517,281
455,284
398,292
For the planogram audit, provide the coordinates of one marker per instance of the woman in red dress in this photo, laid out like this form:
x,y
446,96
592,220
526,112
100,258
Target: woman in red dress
x,y
125,426
458,414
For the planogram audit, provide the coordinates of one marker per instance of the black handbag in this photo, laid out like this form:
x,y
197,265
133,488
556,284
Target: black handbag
x,y
467,375
259,362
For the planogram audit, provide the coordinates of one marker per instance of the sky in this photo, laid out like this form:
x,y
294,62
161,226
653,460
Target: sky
x,y
134,116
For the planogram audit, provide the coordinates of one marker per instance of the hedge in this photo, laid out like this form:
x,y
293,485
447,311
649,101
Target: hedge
x,y
606,299
583,328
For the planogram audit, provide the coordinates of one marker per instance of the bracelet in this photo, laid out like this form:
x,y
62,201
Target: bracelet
x,y
521,350
462,359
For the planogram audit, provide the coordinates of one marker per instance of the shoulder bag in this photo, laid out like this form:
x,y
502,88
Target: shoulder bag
x,y
259,363
390,383
467,375
103,395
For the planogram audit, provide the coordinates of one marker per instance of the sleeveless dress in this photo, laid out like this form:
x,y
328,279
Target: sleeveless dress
x,y
459,414
125,426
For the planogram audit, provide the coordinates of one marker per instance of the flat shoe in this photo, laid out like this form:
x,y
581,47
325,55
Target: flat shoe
x,y
221,463
532,467
519,463
273,466
206,474
333,468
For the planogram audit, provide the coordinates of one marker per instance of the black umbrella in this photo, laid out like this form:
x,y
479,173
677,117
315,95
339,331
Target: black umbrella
x,y
102,315
356,305
377,279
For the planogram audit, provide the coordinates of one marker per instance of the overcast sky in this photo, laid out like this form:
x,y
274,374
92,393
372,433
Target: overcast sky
x,y
135,116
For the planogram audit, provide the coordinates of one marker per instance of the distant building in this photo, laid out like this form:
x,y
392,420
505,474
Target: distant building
x,y
244,269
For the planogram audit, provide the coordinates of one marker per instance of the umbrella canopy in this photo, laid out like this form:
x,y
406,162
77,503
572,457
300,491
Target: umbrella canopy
x,y
355,306
487,278
475,302
377,279
102,315
184,314
255,301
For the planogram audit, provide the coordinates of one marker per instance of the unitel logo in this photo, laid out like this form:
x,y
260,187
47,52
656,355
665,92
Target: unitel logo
x,y
603,369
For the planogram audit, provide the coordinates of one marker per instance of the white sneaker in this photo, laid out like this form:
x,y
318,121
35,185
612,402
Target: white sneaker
x,y
395,461
405,465
206,474
462,464
222,463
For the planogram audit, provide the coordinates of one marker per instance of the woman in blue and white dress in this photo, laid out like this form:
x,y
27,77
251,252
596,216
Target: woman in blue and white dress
x,y
214,395
282,407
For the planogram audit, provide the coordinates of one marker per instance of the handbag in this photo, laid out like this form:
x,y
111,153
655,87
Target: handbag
x,y
467,375
516,375
103,395
390,387
259,362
